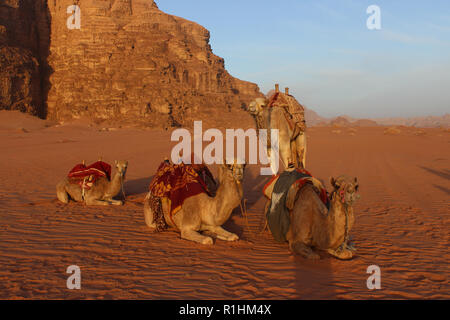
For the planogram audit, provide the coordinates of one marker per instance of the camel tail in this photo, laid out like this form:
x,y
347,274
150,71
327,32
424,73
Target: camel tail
x,y
61,192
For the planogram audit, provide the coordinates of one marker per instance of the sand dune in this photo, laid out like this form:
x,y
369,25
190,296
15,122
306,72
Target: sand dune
x,y
402,223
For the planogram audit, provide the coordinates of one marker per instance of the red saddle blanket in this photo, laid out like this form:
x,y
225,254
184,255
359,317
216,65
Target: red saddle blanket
x,y
86,176
178,182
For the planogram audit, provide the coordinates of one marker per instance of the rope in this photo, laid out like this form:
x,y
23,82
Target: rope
x,y
83,190
244,214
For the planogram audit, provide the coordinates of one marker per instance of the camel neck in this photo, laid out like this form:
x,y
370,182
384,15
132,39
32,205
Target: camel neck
x,y
227,198
336,214
115,184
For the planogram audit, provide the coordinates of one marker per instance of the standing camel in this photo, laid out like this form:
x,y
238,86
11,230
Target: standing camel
x,y
292,142
312,225
204,213
101,193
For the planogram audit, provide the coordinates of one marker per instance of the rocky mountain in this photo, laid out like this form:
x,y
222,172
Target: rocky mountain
x,y
312,118
346,121
24,47
421,122
129,62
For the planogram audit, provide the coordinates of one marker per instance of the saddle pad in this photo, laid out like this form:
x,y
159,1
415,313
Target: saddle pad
x,y
177,182
86,176
276,191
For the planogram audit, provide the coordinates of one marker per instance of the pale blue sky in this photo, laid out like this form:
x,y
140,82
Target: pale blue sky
x,y
324,52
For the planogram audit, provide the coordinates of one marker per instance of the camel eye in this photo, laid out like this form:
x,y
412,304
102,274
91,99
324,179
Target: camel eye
x,y
356,188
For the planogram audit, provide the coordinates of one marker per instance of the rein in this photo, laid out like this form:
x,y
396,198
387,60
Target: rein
x,y
243,207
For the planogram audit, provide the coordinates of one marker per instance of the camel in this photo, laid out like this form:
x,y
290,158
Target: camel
x,y
202,213
101,193
292,145
312,225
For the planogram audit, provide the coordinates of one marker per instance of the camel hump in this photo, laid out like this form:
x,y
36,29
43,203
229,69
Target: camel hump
x,y
295,111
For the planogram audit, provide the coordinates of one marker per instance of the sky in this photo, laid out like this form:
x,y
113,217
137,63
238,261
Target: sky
x,y
323,51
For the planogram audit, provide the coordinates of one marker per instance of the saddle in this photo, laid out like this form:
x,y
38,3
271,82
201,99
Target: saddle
x,y
174,183
86,176
293,111
282,192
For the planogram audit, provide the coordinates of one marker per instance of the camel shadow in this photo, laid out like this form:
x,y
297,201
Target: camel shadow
x,y
443,189
137,186
253,186
231,226
443,173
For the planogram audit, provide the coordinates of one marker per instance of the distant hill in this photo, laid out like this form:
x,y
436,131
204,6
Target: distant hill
x,y
314,119
422,122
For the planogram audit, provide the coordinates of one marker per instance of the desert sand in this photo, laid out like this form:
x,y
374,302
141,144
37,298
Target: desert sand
x,y
402,221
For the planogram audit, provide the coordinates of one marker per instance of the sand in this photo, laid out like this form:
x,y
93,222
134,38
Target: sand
x,y
402,222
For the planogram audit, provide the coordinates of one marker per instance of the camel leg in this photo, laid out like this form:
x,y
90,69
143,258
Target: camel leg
x,y
284,149
301,150
195,236
115,202
61,193
350,245
222,234
285,153
96,202
294,157
342,254
303,250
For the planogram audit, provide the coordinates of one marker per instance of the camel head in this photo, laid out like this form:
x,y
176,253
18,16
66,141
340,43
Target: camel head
x,y
256,106
232,170
121,167
346,189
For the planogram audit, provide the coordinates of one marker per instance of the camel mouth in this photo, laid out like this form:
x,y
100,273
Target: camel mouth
x,y
122,173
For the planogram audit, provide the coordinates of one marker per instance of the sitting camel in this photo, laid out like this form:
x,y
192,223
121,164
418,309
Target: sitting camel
x,y
312,225
101,193
204,213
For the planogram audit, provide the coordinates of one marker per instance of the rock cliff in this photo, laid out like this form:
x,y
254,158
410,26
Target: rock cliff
x,y
128,63
24,48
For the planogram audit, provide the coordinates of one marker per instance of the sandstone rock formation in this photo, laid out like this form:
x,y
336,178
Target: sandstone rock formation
x,y
340,122
312,118
24,46
129,62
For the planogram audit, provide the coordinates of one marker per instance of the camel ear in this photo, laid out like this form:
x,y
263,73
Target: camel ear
x,y
333,183
336,183
356,183
115,162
